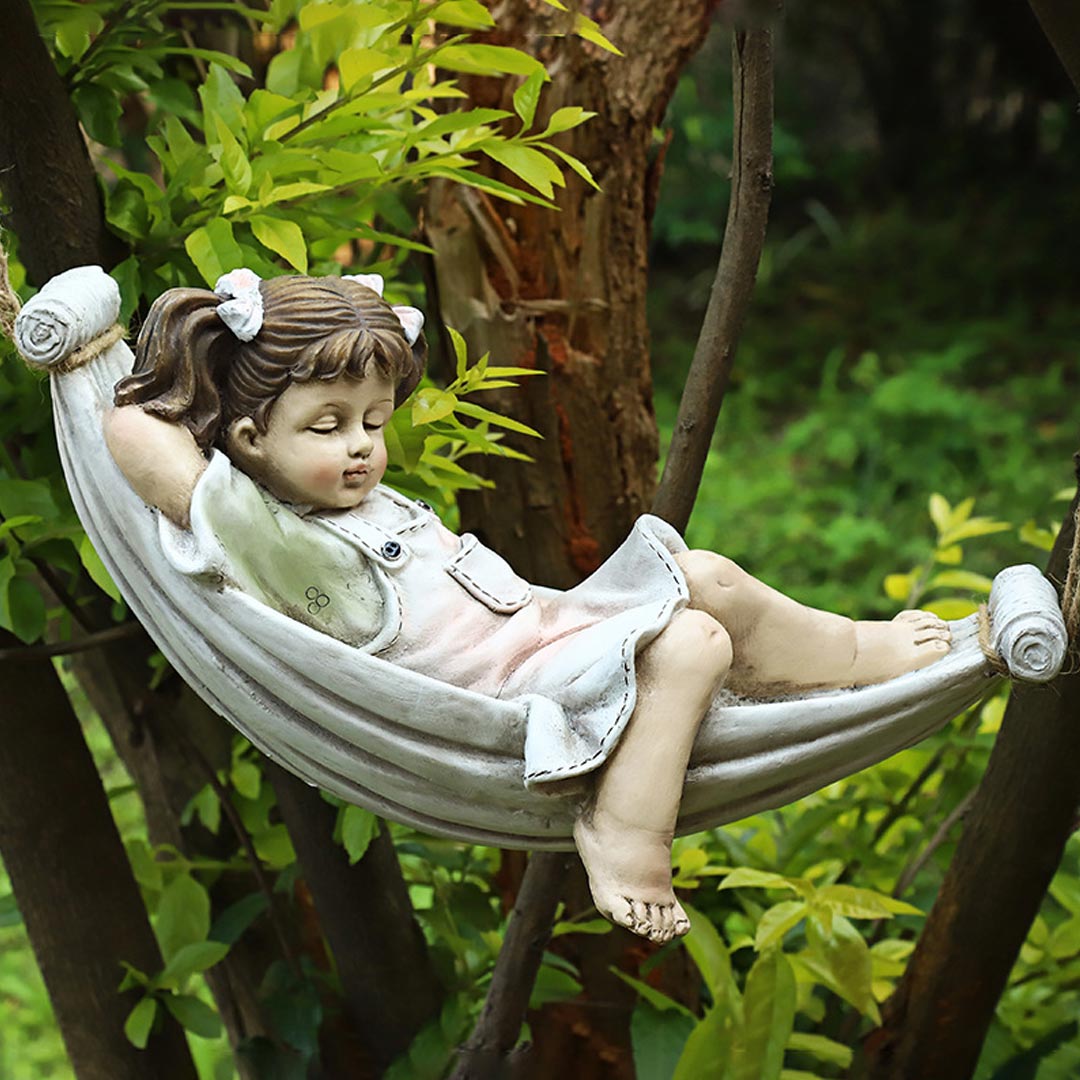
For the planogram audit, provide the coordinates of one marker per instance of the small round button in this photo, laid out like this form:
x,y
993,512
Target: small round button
x,y
391,549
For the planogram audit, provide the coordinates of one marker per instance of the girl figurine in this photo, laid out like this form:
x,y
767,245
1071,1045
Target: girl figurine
x,y
254,421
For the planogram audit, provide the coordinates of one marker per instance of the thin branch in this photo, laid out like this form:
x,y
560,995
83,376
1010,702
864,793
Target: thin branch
x,y
744,238
914,868
67,648
484,1056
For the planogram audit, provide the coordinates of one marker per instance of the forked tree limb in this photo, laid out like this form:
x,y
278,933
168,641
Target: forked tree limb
x,y
744,238
485,1055
1060,21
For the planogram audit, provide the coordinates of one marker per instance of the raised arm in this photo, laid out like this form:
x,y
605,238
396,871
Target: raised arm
x,y
160,460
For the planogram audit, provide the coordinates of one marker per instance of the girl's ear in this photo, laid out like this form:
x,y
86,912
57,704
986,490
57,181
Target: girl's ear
x,y
243,441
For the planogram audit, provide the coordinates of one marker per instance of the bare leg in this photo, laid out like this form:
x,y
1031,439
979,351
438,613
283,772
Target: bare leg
x,y
781,646
624,838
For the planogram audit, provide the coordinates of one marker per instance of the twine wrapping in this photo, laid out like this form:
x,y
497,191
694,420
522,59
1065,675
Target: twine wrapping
x,y
9,300
1070,597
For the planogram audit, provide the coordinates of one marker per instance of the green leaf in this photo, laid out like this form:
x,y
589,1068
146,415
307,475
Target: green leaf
x,y
9,911
468,13
274,847
707,1053
357,64
214,250
358,828
899,586
467,408
841,961
658,1039
73,34
586,28
22,610
527,97
93,565
566,118
861,903
950,610
656,998
144,866
221,97
578,167
139,1022
27,498
768,1018
940,512
833,1053
487,60
977,526
707,949
960,579
282,237
99,112
233,160
777,921
246,778
534,167
194,1015
236,918
553,985
190,960
183,915
747,877
431,404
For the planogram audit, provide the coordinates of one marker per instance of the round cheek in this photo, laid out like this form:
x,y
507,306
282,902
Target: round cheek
x,y
323,474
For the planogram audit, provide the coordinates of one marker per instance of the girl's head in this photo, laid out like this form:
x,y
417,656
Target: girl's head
x,y
328,347
190,368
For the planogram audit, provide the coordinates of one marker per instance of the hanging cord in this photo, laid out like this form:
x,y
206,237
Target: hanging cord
x,y
1070,597
10,304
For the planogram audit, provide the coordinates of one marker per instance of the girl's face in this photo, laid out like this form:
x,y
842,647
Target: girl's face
x,y
324,446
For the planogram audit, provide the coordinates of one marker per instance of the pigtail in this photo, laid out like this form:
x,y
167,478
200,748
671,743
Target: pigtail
x,y
180,357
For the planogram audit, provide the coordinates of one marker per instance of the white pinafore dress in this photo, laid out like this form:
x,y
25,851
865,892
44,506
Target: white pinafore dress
x,y
391,579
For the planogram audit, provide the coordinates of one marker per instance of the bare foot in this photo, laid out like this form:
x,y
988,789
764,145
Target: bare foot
x,y
883,650
629,872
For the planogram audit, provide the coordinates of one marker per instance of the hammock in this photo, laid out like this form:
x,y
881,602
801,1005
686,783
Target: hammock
x,y
416,750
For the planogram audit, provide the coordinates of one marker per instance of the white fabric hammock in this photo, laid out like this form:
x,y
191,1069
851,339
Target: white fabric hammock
x,y
416,750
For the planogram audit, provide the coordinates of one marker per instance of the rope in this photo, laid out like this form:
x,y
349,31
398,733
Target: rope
x,y
10,304
91,349
1070,598
993,658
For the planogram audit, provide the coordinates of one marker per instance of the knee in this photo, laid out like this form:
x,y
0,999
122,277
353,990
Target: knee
x,y
694,648
707,570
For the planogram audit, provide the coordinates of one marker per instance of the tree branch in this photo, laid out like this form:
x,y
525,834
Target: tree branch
x,y
1060,21
744,237
484,1055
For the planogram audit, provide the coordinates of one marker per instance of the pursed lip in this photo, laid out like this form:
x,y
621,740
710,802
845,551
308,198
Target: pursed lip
x,y
357,472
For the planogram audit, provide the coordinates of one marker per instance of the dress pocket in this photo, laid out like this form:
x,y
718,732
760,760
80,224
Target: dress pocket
x,y
488,577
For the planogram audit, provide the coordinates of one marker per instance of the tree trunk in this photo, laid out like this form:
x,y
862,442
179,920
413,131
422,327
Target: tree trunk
x,y
1013,839
72,881
45,171
564,292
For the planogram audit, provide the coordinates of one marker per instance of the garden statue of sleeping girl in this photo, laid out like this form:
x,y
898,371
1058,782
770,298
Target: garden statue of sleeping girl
x,y
258,410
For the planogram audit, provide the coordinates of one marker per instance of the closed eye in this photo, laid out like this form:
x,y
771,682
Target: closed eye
x,y
323,429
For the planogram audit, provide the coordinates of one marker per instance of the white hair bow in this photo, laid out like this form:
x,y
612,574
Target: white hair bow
x,y
242,311
411,319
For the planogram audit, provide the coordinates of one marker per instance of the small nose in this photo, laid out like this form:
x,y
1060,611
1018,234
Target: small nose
x,y
360,442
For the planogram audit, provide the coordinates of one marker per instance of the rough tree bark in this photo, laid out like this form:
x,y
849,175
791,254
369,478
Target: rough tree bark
x,y
1013,839
72,882
564,291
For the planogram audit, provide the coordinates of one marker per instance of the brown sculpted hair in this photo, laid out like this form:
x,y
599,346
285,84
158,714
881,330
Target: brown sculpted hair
x,y
191,369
